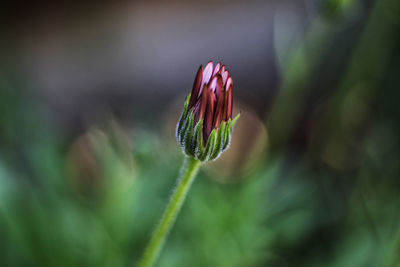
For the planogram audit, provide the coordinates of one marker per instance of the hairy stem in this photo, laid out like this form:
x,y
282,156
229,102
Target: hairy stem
x,y
153,249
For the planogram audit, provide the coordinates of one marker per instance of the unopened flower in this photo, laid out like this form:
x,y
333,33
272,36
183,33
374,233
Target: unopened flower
x,y
204,130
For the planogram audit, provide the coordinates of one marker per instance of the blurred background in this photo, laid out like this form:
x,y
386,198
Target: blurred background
x,y
90,94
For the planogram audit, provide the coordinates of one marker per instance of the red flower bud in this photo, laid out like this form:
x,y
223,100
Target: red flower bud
x,y
211,97
205,128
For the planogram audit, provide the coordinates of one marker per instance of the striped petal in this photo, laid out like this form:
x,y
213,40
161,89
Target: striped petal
x,y
225,76
208,70
229,103
202,104
216,69
220,94
196,88
208,120
228,83
213,84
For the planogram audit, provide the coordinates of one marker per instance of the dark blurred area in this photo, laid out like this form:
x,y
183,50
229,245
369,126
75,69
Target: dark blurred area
x,y
81,59
90,94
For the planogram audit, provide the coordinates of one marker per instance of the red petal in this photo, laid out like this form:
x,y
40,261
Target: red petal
x,y
228,83
208,70
203,105
225,75
220,103
218,85
216,69
196,88
208,120
196,112
213,84
229,103
223,115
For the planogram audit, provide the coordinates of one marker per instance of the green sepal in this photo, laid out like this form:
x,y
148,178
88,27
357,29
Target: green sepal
x,y
231,124
210,146
180,128
227,135
182,132
220,141
198,140
190,136
182,119
234,122
186,105
187,135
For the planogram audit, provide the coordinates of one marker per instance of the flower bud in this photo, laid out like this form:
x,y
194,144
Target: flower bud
x,y
204,130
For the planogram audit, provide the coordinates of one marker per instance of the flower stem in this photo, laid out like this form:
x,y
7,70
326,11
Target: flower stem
x,y
153,249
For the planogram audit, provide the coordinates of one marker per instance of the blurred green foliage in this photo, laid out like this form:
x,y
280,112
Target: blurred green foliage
x,y
333,201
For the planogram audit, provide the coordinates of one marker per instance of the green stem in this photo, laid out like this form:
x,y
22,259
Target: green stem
x,y
153,249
